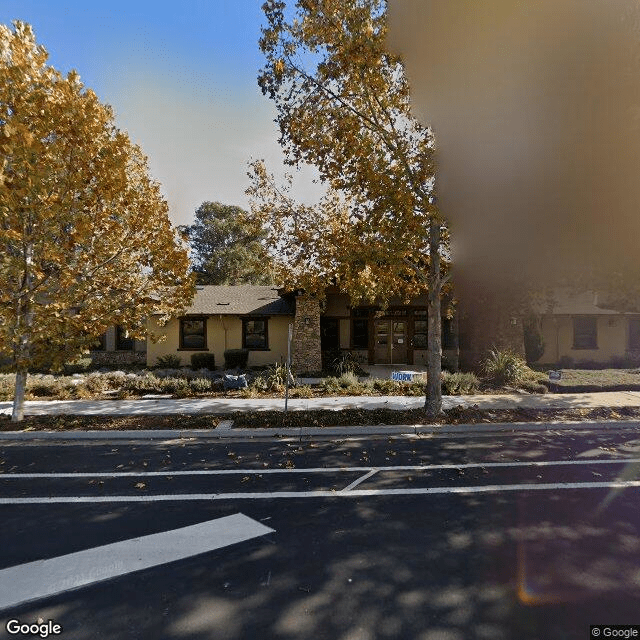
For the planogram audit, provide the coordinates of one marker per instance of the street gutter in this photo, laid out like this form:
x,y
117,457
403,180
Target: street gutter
x,y
227,432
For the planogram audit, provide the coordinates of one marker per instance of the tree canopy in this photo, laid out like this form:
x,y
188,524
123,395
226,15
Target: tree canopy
x,y
226,250
85,233
343,105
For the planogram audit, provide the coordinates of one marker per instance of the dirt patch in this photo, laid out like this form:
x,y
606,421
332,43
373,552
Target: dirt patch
x,y
321,418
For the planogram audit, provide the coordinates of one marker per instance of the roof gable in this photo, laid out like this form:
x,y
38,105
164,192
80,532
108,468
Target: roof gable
x,y
240,300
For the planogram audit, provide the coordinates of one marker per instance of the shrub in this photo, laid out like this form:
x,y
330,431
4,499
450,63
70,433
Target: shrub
x,y
7,386
200,385
330,385
81,365
504,367
236,358
171,384
386,387
455,384
275,378
305,391
96,383
347,380
168,361
341,362
203,361
143,384
533,340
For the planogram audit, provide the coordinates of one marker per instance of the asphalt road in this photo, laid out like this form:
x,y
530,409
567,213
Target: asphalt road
x,y
528,536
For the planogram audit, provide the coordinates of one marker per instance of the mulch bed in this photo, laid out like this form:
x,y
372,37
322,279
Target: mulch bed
x,y
320,418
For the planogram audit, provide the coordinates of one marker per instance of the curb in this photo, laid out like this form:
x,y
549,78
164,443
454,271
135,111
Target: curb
x,y
513,428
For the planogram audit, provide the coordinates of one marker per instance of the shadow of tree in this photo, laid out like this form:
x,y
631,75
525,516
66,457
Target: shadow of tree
x,y
456,568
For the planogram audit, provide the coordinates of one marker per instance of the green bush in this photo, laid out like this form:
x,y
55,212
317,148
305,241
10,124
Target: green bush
x,y
168,361
96,383
203,361
143,384
81,365
347,379
533,340
386,387
503,367
455,384
236,358
200,385
330,385
305,391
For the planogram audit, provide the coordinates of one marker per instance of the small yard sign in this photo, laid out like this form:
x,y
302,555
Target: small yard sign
x,y
402,376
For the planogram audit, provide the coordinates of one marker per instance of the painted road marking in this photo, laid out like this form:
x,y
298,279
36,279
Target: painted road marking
x,y
430,467
356,493
43,578
361,479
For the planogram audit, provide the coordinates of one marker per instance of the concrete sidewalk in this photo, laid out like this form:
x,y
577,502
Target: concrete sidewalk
x,y
167,406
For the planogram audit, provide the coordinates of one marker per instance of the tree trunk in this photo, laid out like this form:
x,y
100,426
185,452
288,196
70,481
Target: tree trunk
x,y
24,324
18,398
433,400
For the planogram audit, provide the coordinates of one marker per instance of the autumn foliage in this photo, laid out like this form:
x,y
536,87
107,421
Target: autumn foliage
x,y
343,105
85,236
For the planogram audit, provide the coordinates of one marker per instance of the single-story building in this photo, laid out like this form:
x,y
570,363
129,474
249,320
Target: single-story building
x,y
229,317
116,347
257,318
577,328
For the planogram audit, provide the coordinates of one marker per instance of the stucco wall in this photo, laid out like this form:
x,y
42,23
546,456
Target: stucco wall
x,y
336,304
223,332
345,333
557,332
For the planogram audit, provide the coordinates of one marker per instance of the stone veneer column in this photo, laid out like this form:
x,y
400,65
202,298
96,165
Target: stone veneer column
x,y
306,355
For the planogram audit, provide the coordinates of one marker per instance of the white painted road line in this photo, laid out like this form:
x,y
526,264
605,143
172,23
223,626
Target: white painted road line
x,y
43,578
323,493
361,479
213,472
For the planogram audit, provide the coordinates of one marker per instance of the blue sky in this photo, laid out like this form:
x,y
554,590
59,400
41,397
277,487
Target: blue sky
x,y
181,77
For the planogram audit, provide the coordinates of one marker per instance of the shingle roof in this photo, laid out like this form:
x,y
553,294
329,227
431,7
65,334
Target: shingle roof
x,y
240,300
570,302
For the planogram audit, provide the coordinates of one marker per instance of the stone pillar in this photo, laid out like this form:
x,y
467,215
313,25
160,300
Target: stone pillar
x,y
306,354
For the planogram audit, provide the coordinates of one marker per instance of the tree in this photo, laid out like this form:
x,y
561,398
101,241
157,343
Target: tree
x,y
343,105
85,234
226,250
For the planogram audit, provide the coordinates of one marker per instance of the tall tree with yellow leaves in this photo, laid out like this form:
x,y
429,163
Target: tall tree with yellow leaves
x,y
343,105
85,235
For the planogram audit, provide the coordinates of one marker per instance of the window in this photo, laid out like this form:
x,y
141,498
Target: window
x,y
585,332
420,329
193,333
123,341
360,328
254,334
448,333
634,334
330,333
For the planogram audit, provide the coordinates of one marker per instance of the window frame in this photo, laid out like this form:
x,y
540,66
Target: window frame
x,y
579,341
184,319
245,322
360,315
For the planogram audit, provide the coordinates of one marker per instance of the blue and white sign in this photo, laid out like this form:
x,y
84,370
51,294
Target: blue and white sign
x,y
402,376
